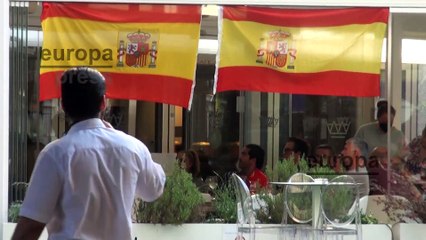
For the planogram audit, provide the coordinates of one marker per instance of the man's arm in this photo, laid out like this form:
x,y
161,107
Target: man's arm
x,y
41,198
151,180
27,229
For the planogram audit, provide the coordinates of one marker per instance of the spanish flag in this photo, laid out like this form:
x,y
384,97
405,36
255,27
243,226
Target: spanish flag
x,y
146,52
300,51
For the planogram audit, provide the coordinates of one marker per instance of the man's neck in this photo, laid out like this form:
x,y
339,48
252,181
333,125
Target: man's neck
x,y
249,171
77,120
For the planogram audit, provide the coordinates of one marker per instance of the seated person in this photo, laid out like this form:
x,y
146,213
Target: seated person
x,y
191,163
324,156
399,181
353,163
250,163
296,148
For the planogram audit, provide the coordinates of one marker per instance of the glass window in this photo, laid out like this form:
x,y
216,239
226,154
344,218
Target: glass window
x,y
409,99
217,126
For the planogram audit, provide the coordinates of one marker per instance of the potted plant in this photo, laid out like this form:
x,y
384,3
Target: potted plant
x,y
224,205
402,210
179,203
13,213
285,168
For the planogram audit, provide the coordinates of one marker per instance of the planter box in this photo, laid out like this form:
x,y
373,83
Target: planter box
x,y
216,232
182,232
409,231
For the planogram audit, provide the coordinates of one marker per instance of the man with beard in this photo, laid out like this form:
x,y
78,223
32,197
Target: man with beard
x,y
375,134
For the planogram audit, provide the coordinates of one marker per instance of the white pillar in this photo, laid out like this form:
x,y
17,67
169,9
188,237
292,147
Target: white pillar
x,y
4,111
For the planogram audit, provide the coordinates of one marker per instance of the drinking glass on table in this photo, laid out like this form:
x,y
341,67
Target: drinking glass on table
x,y
212,182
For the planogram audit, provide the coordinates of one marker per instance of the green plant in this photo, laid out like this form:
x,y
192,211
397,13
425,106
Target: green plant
x,y
180,201
224,205
285,168
14,209
322,172
337,202
272,208
368,219
225,211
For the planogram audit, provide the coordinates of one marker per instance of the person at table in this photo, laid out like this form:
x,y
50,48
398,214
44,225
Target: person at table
x,y
375,133
295,148
353,158
250,163
191,163
324,156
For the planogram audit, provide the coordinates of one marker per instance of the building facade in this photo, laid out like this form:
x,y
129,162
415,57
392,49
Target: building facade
x,y
217,126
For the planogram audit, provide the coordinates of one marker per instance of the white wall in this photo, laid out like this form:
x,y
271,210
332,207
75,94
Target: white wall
x,y
166,160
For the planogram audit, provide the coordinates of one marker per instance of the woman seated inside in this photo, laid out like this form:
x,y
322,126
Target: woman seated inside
x,y
191,163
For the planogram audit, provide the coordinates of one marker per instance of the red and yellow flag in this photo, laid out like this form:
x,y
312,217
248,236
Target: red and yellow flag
x,y
317,51
146,52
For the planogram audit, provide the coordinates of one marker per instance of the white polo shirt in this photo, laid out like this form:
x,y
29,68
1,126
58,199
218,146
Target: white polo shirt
x,y
375,137
83,185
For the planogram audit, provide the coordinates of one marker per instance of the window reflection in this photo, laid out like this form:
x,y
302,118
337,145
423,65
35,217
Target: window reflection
x,y
217,126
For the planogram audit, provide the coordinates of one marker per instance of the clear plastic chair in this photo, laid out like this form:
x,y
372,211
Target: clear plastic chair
x,y
298,205
298,198
246,216
340,208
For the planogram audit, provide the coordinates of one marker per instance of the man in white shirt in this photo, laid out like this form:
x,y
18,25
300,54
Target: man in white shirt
x,y
84,184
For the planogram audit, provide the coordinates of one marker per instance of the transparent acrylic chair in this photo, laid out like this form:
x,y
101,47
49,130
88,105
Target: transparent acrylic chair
x,y
298,196
246,216
340,208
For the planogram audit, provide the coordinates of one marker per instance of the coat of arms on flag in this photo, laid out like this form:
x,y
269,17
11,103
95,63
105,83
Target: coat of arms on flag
x,y
123,42
138,49
335,48
275,50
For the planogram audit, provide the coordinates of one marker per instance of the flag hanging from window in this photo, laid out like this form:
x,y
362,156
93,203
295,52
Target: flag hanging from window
x,y
300,51
145,52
